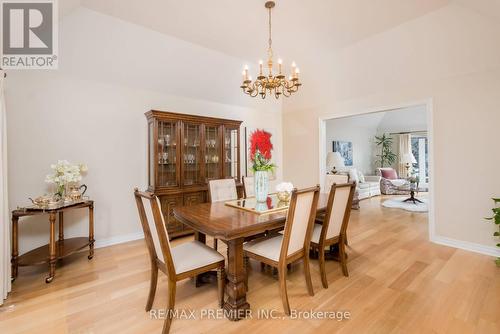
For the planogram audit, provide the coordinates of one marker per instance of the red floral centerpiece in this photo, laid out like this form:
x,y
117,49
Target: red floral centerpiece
x,y
260,156
260,151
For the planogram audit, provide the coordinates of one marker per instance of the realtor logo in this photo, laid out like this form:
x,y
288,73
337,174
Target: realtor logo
x,y
29,34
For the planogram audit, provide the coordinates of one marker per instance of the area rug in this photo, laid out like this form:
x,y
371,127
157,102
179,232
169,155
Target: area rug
x,y
398,203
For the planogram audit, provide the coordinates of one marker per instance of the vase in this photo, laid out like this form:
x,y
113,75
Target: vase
x,y
261,183
61,190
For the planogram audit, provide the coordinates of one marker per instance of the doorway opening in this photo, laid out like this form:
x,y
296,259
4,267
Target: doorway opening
x,y
408,153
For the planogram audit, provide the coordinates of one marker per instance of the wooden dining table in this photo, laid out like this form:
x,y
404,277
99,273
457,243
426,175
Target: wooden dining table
x,y
233,226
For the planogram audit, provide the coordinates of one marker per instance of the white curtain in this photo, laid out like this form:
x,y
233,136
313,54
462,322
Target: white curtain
x,y
4,205
404,148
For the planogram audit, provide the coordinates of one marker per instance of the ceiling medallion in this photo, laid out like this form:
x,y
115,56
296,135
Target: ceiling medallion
x,y
274,85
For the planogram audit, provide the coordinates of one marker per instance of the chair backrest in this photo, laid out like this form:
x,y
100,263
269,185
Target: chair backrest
x,y
299,221
154,227
222,190
248,186
335,178
338,210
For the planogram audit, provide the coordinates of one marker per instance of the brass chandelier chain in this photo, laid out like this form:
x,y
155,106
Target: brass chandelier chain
x,y
270,41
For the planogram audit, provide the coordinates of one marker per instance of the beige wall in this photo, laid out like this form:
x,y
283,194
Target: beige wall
x,y
92,110
451,58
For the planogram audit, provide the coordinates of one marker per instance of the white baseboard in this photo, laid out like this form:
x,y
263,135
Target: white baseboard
x,y
466,245
99,243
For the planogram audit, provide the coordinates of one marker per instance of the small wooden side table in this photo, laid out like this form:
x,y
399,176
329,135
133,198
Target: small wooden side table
x,y
54,250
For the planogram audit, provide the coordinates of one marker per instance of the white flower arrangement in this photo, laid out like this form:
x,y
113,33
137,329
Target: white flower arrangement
x,y
284,187
65,173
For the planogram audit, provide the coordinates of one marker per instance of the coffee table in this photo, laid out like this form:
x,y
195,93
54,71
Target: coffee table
x,y
413,188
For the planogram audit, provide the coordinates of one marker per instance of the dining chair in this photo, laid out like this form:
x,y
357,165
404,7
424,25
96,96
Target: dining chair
x,y
183,261
248,186
330,180
220,191
332,229
291,246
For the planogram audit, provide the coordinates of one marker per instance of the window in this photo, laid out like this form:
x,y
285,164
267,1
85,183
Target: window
x,y
420,149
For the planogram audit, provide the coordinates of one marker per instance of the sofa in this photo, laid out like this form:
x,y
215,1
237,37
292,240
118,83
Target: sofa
x,y
391,184
369,187
366,186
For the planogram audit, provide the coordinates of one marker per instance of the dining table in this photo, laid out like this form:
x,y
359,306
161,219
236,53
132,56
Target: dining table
x,y
227,222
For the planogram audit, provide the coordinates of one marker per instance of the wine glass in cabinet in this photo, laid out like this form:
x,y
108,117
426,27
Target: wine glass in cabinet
x,y
212,152
231,152
191,154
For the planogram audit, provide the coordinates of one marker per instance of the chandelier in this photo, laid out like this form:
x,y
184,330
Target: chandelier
x,y
271,84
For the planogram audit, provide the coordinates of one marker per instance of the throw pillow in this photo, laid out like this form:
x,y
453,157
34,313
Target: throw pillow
x,y
361,177
353,175
389,174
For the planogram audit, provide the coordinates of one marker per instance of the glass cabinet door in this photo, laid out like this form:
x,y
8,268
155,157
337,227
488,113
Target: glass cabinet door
x,y
167,154
212,153
191,154
231,150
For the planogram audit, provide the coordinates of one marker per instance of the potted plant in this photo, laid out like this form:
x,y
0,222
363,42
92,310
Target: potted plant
x,y
386,155
260,156
496,221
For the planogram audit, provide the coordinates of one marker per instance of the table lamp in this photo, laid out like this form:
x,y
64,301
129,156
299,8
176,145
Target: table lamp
x,y
408,159
334,162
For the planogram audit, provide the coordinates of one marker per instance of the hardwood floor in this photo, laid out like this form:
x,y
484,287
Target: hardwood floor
x,y
399,283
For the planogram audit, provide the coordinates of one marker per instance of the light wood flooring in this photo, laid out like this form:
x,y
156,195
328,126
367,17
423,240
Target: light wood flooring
x,y
399,283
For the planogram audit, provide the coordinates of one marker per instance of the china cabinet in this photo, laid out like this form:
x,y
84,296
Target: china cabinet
x,y
184,153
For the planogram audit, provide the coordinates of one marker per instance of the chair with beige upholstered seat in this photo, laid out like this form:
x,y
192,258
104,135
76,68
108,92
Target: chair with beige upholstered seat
x,y
332,229
221,191
186,260
291,246
248,186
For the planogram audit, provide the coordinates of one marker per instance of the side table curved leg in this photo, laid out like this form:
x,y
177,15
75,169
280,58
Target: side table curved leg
x,y
91,232
52,248
15,248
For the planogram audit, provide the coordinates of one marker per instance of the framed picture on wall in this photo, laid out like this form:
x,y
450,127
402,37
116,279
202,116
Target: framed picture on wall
x,y
345,150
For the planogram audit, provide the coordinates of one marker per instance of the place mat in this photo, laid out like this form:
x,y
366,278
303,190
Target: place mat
x,y
273,204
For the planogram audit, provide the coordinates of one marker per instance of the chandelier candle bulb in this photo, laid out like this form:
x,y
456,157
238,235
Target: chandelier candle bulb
x,y
280,62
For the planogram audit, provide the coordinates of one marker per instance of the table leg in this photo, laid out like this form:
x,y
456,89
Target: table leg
x,y
236,305
61,226
52,248
91,232
15,248
201,237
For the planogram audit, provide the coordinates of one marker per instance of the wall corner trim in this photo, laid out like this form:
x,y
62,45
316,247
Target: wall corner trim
x,y
466,245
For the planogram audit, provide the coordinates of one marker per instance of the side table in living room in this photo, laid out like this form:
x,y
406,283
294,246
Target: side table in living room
x,y
54,250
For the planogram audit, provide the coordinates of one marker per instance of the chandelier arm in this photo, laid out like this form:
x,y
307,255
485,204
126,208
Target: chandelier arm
x,y
255,91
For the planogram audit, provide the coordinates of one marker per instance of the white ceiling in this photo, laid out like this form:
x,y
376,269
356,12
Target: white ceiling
x,y
302,30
